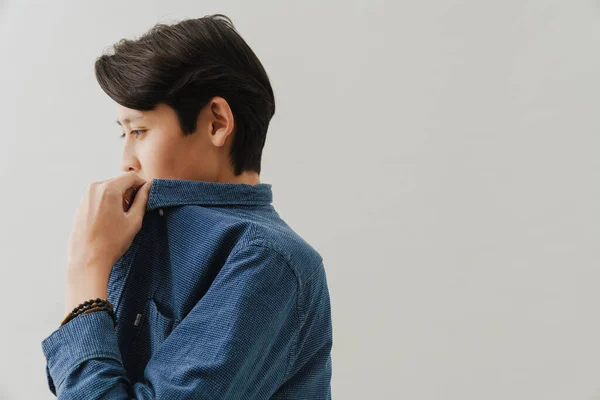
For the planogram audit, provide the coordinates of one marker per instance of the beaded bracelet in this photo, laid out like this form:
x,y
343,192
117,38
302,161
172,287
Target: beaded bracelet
x,y
89,306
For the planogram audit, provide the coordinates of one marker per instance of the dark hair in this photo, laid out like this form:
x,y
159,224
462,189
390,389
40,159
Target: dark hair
x,y
186,64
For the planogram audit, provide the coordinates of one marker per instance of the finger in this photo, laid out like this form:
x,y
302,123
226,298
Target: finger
x,y
126,181
126,201
128,198
138,207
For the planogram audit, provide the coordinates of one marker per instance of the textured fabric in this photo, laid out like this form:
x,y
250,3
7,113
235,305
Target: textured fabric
x,y
217,298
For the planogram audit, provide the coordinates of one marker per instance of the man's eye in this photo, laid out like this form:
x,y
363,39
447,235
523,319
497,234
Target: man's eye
x,y
136,132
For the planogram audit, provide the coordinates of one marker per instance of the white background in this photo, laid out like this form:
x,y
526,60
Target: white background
x,y
441,155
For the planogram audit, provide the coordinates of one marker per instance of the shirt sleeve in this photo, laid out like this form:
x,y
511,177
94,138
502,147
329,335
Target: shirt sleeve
x,y
236,342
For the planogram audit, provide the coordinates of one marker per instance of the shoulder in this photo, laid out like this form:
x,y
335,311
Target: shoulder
x,y
300,256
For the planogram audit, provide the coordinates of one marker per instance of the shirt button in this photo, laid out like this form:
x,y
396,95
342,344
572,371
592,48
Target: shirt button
x,y
160,212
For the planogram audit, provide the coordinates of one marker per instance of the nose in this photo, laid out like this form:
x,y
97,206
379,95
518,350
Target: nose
x,y
130,163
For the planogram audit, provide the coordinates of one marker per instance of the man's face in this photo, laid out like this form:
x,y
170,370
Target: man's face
x,y
155,147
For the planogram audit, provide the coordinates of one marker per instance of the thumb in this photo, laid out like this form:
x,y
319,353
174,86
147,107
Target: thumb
x,y
138,207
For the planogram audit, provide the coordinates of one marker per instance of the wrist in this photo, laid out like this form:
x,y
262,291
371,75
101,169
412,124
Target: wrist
x,y
84,285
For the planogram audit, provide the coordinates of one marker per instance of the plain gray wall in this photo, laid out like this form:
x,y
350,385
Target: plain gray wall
x,y
442,156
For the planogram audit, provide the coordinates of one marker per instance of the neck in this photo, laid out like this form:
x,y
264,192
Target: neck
x,y
247,177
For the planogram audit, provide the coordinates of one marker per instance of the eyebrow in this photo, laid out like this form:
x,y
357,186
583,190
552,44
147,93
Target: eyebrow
x,y
128,120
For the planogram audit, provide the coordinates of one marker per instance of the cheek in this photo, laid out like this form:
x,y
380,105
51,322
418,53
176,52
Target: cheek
x,y
158,157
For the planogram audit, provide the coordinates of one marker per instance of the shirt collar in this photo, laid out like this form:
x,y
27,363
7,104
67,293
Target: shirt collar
x,y
176,192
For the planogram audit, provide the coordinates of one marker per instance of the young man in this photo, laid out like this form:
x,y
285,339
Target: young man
x,y
216,297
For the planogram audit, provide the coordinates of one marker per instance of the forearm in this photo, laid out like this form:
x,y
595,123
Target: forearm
x,y
83,357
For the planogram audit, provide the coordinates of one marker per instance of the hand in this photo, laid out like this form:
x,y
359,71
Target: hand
x,y
102,232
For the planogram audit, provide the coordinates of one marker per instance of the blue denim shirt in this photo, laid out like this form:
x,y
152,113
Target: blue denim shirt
x,y
217,298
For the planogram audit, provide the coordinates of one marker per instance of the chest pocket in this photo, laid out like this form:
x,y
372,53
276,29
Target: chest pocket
x,y
153,327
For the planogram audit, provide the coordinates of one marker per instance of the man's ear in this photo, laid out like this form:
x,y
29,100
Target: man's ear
x,y
222,120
